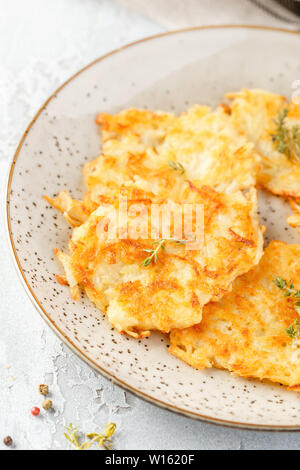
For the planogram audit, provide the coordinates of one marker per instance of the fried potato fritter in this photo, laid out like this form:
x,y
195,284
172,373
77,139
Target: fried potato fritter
x,y
157,159
294,220
256,113
245,332
143,148
211,150
171,292
74,211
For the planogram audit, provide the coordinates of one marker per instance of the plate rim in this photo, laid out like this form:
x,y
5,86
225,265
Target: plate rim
x,y
29,291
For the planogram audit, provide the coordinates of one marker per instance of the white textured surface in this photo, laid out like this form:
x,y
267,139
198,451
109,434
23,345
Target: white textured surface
x,y
40,47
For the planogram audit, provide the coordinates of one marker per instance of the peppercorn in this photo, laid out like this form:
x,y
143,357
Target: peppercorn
x,y
35,411
8,441
43,389
47,404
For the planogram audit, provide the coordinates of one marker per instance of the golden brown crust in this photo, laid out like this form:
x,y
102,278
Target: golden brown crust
x,y
74,211
172,292
254,113
138,145
294,220
245,332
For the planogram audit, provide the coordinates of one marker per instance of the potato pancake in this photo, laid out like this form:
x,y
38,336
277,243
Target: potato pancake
x,y
272,125
294,220
249,331
157,151
211,150
171,292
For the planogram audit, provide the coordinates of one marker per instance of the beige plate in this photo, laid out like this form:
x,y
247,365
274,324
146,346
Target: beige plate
x,y
170,72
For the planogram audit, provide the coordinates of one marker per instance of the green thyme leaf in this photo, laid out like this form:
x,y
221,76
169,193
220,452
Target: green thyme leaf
x,y
297,307
147,261
176,166
160,245
293,331
286,139
280,282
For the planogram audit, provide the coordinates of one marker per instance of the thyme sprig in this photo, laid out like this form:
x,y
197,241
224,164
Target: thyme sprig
x,y
176,166
103,439
160,245
293,331
286,139
289,291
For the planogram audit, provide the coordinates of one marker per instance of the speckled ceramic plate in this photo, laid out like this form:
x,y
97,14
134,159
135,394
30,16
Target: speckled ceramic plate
x,y
171,72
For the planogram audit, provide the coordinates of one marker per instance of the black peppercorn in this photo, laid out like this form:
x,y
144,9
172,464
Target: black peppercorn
x,y
8,441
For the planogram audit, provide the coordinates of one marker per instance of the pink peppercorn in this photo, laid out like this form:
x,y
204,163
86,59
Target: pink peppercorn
x,y
35,411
